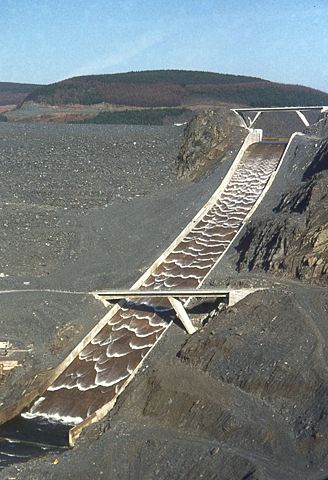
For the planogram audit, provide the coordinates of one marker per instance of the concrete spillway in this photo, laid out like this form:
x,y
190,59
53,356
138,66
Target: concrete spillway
x,y
101,370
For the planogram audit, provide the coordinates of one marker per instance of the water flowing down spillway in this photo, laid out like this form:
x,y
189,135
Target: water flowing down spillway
x,y
98,374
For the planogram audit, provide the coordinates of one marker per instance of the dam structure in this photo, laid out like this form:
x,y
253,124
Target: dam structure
x,y
88,382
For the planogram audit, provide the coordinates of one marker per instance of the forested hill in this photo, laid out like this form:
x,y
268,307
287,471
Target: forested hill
x,y
172,88
13,93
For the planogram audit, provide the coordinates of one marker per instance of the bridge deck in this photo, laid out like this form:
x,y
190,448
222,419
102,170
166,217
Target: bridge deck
x,y
280,109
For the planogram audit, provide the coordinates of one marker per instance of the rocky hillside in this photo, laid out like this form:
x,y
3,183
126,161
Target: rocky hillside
x,y
293,240
207,140
171,88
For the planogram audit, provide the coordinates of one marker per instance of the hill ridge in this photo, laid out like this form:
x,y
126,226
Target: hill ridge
x,y
171,88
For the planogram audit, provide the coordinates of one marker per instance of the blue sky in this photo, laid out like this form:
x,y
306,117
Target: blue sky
x,y
43,41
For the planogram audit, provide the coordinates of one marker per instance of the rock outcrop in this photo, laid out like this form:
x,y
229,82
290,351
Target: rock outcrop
x,y
257,348
208,138
319,129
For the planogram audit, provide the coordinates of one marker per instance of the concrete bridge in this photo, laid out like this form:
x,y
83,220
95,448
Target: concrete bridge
x,y
300,112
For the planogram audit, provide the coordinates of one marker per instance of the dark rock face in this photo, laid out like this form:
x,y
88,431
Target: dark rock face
x,y
320,161
319,129
294,241
255,351
208,138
